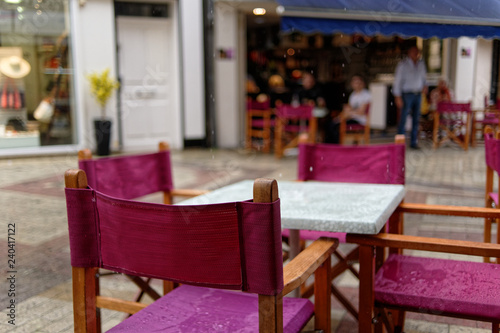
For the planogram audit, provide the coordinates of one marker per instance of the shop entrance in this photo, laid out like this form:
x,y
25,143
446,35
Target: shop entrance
x,y
148,70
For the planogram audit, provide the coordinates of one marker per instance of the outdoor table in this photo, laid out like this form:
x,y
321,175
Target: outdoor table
x,y
326,206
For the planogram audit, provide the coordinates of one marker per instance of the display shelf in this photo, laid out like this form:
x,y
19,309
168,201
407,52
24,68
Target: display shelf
x,y
6,114
19,139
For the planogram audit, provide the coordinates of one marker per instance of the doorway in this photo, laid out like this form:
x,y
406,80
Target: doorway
x,y
148,67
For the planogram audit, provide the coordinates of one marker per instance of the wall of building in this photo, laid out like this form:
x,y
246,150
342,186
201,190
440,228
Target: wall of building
x,y
228,85
95,50
482,81
191,18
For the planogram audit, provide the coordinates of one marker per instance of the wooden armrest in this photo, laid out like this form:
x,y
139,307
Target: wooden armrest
x,y
306,262
449,210
427,244
187,192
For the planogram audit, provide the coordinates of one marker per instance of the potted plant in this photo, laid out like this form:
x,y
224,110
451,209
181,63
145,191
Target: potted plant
x,y
102,87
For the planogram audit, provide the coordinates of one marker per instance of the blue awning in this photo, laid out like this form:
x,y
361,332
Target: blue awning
x,y
406,18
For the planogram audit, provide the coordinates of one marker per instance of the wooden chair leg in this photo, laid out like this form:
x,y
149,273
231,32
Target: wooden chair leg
x,y
398,317
322,299
498,236
145,287
487,235
383,318
495,327
344,301
435,130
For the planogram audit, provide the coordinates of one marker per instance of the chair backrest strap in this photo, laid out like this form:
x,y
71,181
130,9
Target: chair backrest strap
x,y
129,177
374,164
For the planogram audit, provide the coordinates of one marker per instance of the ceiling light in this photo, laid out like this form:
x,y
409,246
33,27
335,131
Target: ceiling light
x,y
12,1
259,11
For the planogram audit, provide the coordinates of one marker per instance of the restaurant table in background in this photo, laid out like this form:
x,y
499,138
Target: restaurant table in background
x,y
325,206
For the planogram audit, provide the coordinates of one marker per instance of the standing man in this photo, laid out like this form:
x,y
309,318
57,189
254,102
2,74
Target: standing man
x,y
409,84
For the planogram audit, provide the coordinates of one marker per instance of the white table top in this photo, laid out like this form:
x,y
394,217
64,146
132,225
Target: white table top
x,y
324,206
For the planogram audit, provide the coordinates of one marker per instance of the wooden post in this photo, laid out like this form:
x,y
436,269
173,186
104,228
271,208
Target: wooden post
x,y
366,287
86,315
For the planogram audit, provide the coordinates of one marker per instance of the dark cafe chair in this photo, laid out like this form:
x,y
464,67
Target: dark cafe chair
x,y
214,251
374,164
134,177
291,122
357,132
259,125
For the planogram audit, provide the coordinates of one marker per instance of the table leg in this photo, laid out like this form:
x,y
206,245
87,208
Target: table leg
x,y
366,287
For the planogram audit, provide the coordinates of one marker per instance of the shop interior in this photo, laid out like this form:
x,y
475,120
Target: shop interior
x,y
35,76
275,63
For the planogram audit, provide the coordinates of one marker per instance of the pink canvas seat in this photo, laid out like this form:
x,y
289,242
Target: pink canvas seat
x,y
492,159
373,164
458,288
229,246
208,308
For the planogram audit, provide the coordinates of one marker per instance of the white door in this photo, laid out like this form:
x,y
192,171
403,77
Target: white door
x,y
149,73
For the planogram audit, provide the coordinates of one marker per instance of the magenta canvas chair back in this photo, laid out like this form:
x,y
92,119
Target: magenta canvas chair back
x,y
294,112
229,246
491,151
444,107
254,105
374,164
129,177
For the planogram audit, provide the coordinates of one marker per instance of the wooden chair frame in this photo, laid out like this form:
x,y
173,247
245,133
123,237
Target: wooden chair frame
x,y
280,133
358,136
168,199
315,259
395,242
489,188
483,123
345,261
263,133
450,135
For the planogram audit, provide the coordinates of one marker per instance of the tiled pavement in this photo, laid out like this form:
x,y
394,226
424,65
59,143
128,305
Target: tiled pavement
x,y
32,198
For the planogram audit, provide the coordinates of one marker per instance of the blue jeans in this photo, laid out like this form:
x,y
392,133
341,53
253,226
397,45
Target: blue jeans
x,y
411,105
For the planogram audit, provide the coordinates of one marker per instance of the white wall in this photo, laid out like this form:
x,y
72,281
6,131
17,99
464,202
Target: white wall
x,y
227,86
191,13
482,72
94,40
465,66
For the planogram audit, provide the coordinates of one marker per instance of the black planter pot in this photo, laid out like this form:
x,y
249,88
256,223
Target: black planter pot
x,y
102,136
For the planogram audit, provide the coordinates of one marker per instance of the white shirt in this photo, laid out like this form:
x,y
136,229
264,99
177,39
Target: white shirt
x,y
357,99
409,77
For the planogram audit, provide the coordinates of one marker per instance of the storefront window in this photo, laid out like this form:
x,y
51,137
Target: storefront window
x,y
36,74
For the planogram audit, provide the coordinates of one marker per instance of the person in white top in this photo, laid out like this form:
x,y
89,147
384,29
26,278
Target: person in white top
x,y
354,112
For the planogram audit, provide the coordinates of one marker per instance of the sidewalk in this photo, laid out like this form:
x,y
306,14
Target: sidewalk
x,y
31,192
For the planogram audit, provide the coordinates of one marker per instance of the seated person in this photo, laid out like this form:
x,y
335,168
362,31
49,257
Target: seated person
x,y
310,92
354,111
440,94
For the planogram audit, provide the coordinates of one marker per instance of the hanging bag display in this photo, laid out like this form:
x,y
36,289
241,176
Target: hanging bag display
x,y
45,110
